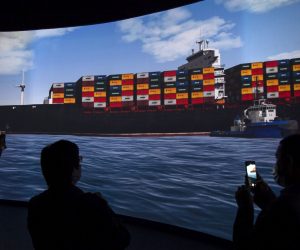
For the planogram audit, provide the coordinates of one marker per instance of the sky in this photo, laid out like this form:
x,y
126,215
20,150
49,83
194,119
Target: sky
x,y
243,30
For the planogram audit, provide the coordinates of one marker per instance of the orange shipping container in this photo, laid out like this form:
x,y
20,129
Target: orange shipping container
x,y
296,67
127,76
246,91
257,65
69,100
115,99
197,94
182,96
196,77
127,87
170,91
209,70
272,82
296,87
257,78
100,94
142,86
115,82
284,88
154,92
88,89
209,82
246,72
58,95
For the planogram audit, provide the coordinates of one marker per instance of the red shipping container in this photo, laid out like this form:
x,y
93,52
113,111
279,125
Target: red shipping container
x,y
197,100
182,101
88,83
87,94
58,90
99,99
142,103
127,82
271,64
257,71
170,96
154,97
297,93
127,104
208,76
209,100
142,80
142,92
208,87
284,94
247,97
115,104
258,83
127,93
58,100
272,89
170,73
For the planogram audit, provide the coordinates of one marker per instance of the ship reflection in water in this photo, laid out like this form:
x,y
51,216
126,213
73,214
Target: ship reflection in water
x,y
186,181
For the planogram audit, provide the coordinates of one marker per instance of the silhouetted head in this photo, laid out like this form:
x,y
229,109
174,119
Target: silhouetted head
x,y
60,163
287,169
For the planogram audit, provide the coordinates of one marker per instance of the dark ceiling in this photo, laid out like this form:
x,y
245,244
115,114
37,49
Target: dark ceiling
x,y
43,14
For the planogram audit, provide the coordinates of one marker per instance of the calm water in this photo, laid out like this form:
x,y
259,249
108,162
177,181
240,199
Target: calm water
x,y
185,181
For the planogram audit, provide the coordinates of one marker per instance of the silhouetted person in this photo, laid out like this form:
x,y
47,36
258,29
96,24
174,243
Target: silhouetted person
x,y
2,142
278,224
63,216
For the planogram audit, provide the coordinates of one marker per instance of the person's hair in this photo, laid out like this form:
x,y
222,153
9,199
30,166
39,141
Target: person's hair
x,y
58,161
290,146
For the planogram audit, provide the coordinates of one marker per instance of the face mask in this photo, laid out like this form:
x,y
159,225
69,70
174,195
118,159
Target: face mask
x,y
279,179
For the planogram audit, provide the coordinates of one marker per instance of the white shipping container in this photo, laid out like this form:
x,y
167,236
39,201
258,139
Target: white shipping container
x,y
127,98
219,72
88,78
142,75
100,105
50,101
219,80
58,85
170,79
271,70
87,99
154,103
170,102
272,95
208,93
142,97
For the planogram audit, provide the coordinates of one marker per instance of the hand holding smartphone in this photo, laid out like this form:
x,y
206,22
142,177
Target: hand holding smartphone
x,y
251,174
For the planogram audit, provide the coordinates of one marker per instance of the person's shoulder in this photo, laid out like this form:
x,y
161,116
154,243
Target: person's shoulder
x,y
94,198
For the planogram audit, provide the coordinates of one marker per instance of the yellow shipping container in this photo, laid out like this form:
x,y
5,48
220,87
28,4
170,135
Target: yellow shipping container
x,y
115,99
196,77
197,94
127,87
272,82
69,100
297,86
209,82
210,70
296,67
142,86
88,89
257,78
247,91
246,72
127,76
58,95
115,82
257,65
284,88
182,96
100,94
154,91
170,91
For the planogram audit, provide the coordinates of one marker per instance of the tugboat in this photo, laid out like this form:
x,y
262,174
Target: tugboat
x,y
260,121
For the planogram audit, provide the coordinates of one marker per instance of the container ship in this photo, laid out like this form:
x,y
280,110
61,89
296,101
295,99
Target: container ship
x,y
191,99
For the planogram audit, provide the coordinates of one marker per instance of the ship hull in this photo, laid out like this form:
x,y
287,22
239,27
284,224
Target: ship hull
x,y
71,119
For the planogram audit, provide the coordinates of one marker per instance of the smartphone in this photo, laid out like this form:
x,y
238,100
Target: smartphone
x,y
251,173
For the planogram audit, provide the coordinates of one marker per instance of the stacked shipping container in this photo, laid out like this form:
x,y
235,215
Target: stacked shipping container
x,y
100,94
87,91
63,93
142,89
196,78
209,85
169,87
295,74
182,88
